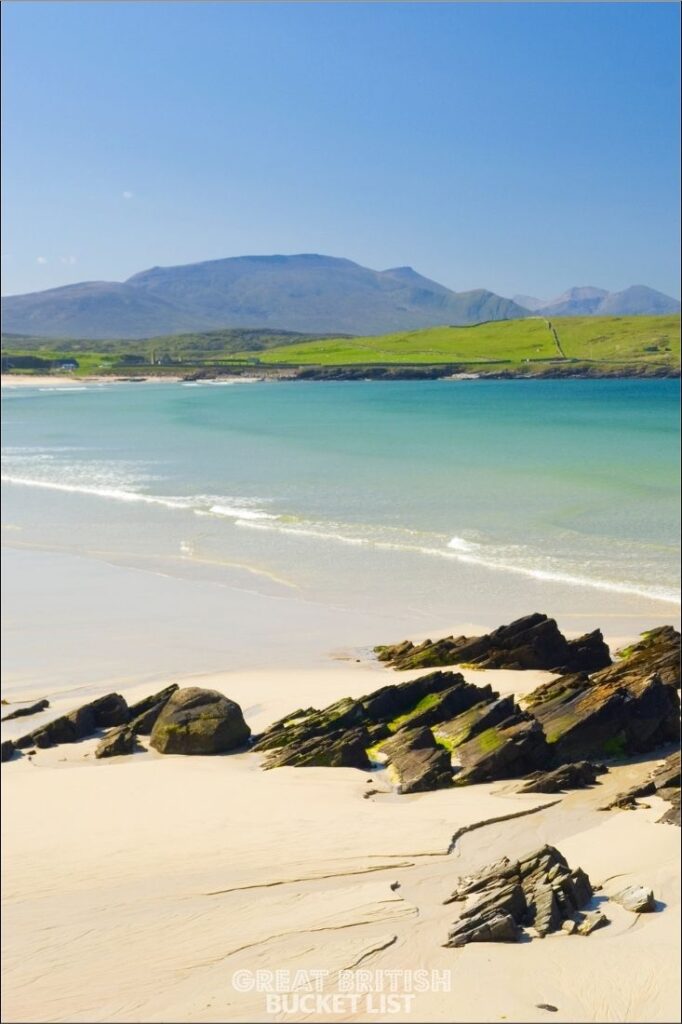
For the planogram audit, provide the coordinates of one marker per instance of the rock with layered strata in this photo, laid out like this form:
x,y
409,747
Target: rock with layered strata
x,y
532,642
658,651
606,715
345,748
578,775
540,891
512,749
371,718
415,761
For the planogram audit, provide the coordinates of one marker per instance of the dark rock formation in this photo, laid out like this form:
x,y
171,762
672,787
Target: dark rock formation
x,y
122,740
483,716
77,725
540,890
578,775
627,800
415,761
664,781
146,711
658,651
439,730
514,748
341,749
7,750
393,726
33,709
312,736
197,721
606,714
533,642
667,782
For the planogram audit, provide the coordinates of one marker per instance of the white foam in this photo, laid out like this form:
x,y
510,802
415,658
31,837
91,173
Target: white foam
x,y
462,552
237,512
199,504
460,544
112,493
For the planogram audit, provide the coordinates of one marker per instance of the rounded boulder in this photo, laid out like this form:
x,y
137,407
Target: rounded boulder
x,y
197,721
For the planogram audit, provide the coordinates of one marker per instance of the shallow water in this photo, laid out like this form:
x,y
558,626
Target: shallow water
x,y
437,502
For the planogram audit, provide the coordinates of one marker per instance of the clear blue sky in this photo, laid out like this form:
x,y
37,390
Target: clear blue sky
x,y
519,147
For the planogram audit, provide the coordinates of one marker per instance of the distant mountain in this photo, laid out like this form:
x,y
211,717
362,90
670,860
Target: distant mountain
x,y
306,293
638,299
587,301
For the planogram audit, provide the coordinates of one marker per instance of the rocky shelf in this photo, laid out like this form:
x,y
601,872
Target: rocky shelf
x,y
437,730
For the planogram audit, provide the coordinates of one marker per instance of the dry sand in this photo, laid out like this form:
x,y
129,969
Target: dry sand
x,y
136,888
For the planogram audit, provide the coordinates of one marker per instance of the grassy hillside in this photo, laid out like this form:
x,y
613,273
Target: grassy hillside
x,y
562,346
168,353
514,343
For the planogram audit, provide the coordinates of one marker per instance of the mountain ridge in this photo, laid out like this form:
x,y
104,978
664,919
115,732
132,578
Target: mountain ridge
x,y
586,300
305,292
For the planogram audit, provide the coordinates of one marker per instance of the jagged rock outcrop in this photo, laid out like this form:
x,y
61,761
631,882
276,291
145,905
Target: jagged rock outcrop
x,y
664,781
657,652
341,749
317,737
415,761
532,642
606,714
439,730
144,713
197,721
33,709
102,713
426,732
540,891
578,775
513,748
122,740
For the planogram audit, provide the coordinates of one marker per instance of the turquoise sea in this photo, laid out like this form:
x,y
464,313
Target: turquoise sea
x,y
445,501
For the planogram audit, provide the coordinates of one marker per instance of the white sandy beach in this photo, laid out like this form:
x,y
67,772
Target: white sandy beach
x,y
136,888
27,380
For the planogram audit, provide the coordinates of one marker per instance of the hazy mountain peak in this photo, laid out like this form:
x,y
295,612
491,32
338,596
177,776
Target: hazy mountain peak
x,y
305,292
587,300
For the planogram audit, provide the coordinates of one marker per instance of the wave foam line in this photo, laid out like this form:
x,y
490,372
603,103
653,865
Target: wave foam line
x,y
118,494
454,553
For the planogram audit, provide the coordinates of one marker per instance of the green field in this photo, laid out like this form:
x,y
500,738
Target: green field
x,y
654,340
644,345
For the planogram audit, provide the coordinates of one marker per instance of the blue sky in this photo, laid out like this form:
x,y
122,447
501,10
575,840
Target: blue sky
x,y
518,147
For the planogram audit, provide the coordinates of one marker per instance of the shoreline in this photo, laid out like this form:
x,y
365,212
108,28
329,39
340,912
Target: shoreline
x,y
328,374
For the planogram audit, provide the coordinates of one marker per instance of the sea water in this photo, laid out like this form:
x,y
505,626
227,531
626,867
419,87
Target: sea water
x,y
439,501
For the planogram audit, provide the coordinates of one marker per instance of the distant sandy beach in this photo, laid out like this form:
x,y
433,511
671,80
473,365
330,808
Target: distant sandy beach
x,y
15,380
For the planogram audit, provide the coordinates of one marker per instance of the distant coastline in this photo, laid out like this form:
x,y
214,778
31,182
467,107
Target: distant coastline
x,y
352,373
533,347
